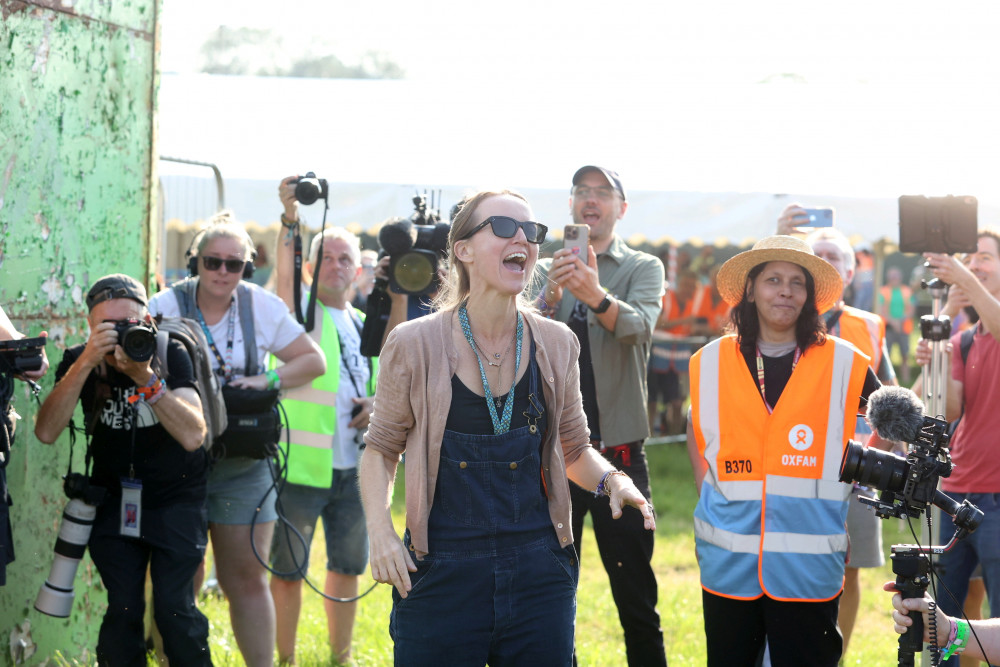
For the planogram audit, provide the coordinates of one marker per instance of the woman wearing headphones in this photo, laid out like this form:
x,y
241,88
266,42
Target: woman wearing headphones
x,y
243,323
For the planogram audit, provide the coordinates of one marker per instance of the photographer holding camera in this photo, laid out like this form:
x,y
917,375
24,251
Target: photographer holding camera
x,y
973,391
326,419
9,418
146,436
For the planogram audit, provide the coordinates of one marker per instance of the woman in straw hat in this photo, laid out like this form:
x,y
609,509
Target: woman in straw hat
x,y
772,407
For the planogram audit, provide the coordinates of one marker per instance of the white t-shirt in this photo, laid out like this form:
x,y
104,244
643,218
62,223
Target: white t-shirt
x,y
354,376
274,326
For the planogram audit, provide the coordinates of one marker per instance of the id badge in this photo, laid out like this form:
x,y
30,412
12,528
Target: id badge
x,y
131,516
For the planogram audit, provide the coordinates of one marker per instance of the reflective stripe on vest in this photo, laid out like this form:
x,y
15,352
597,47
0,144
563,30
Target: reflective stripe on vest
x,y
771,514
312,411
867,332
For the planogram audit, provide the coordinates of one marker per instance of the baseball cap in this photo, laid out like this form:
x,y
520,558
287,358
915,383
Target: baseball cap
x,y
612,177
116,286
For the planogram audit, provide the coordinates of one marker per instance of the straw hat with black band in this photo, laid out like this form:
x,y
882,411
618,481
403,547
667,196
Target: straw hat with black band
x,y
732,277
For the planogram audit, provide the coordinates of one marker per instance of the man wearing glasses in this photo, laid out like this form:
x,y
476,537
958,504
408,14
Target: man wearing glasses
x,y
611,300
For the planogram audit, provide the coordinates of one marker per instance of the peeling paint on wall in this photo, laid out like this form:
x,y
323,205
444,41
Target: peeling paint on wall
x,y
76,126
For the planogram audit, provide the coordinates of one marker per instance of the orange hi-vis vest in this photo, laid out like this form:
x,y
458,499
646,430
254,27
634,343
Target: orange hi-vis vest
x,y
770,518
694,306
866,331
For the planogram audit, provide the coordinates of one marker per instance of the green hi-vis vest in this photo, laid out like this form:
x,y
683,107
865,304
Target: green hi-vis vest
x,y
312,410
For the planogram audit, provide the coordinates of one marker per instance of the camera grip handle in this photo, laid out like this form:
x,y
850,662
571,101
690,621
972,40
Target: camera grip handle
x,y
912,641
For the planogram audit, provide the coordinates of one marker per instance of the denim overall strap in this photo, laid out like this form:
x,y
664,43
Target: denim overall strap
x,y
489,493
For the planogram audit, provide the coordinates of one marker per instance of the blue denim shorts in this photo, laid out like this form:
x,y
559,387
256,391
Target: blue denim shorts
x,y
236,487
343,524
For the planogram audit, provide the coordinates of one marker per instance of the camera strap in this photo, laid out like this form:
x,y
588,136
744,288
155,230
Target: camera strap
x,y
340,342
297,273
310,322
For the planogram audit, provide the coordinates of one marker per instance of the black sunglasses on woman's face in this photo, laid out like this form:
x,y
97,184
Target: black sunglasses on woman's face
x,y
215,263
505,228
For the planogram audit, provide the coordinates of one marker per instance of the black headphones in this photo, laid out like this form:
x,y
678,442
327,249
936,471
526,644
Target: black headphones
x,y
192,259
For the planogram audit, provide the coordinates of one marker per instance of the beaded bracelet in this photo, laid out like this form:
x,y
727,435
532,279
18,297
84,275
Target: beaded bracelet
x,y
602,487
961,640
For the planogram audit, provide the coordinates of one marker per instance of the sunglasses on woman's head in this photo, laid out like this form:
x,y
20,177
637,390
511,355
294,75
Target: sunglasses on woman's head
x,y
505,228
215,263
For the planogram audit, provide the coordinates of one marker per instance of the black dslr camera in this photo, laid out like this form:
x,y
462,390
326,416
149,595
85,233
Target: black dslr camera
x,y
78,487
21,355
137,338
309,188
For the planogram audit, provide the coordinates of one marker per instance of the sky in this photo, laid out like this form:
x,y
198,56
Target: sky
x,y
850,98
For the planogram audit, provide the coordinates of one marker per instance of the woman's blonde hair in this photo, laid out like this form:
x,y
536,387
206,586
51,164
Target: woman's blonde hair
x,y
224,225
455,288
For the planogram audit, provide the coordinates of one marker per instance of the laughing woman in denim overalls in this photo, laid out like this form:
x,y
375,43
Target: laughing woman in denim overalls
x,y
484,398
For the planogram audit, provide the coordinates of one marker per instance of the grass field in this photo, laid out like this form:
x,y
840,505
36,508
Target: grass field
x,y
599,642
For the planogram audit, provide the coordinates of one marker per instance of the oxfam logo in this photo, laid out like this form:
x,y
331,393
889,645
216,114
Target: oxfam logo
x,y
800,437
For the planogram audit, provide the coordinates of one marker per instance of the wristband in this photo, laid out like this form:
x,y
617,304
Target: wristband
x,y
961,640
291,224
158,395
273,379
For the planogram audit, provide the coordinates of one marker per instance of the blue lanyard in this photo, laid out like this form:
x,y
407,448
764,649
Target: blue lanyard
x,y
225,365
500,424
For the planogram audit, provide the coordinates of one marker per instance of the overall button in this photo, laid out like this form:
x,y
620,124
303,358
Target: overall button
x,y
463,465
559,525
412,548
513,465
565,539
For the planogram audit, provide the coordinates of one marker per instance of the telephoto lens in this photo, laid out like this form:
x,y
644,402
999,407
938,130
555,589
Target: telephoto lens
x,y
56,595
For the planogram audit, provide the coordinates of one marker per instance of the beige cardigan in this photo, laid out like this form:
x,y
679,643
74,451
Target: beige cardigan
x,y
413,398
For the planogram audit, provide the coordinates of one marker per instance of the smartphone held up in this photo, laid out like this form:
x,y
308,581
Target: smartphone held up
x,y
818,217
576,238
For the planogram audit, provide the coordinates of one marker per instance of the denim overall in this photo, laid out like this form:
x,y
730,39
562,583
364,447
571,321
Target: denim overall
x,y
496,587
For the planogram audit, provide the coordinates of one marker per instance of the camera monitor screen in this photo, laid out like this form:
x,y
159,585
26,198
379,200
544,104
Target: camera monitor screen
x,y
937,224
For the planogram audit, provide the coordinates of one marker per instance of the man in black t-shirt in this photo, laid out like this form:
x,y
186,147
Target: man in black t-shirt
x,y
145,440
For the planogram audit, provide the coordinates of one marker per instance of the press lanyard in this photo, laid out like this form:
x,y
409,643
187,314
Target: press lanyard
x,y
760,374
225,365
500,424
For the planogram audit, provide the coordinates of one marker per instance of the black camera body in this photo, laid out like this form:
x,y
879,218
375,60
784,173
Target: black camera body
x,y
78,487
310,188
23,354
908,484
137,338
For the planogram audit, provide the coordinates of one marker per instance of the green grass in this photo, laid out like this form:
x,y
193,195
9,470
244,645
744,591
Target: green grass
x,y
599,642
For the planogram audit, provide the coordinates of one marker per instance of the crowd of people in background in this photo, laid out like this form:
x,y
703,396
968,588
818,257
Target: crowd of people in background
x,y
522,392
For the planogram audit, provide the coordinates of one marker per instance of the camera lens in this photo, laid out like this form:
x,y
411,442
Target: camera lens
x,y
138,342
414,272
884,471
307,191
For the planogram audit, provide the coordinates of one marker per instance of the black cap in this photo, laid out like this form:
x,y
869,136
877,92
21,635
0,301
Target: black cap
x,y
612,177
116,286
